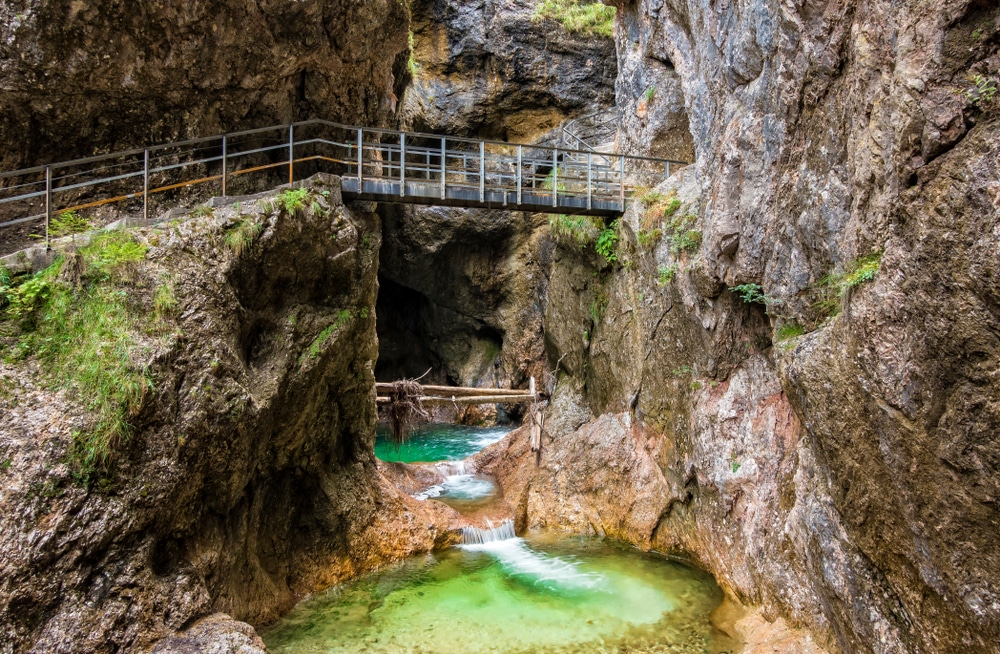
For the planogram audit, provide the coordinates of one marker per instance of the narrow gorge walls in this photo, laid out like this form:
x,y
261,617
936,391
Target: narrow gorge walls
x,y
823,440
464,290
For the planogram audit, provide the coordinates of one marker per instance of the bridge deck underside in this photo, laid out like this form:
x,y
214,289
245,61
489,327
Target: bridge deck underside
x,y
430,193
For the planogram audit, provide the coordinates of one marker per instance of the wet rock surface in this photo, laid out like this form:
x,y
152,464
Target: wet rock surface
x,y
249,480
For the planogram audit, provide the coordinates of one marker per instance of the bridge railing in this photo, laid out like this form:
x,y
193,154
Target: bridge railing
x,y
382,164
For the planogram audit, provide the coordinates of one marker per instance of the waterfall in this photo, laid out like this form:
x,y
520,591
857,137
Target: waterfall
x,y
478,536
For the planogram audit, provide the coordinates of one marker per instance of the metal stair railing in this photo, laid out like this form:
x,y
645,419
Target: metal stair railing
x,y
374,164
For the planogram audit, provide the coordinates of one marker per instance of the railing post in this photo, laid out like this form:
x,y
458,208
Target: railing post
x,y
402,164
590,177
555,177
482,172
519,173
668,169
621,180
224,165
360,160
444,167
145,186
291,155
48,203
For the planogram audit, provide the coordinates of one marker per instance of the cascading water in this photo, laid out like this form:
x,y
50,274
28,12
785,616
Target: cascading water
x,y
491,534
573,596
568,596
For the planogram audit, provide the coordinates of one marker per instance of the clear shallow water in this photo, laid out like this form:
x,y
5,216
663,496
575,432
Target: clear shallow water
x,y
438,442
573,595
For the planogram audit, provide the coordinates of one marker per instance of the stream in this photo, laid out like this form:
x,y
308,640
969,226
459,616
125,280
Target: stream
x,y
497,592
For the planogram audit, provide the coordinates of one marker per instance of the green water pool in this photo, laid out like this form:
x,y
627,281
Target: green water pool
x,y
519,595
438,442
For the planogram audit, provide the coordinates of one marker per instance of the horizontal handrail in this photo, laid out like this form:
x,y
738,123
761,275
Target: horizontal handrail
x,y
384,164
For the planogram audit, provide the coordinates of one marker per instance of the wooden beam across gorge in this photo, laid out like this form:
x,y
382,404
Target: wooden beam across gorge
x,y
439,395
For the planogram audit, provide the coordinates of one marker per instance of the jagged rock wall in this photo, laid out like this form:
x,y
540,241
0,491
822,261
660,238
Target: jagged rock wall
x,y
250,477
487,69
78,78
846,478
464,289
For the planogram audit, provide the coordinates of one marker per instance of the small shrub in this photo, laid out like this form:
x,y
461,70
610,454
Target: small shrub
x,y
649,94
293,199
665,274
673,204
68,223
751,294
22,300
688,240
578,16
606,242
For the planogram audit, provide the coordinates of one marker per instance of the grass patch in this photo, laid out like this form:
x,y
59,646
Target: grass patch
x,y
832,288
578,16
316,347
789,331
203,211
661,218
581,230
411,62
983,90
241,236
165,300
293,199
84,337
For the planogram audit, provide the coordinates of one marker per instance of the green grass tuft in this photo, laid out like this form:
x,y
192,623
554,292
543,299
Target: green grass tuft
x,y
241,237
578,16
84,338
789,331
581,230
832,288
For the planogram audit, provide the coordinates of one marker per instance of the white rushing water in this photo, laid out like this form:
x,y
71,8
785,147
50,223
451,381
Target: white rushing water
x,y
520,561
460,482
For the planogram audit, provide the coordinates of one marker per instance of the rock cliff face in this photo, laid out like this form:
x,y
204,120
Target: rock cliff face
x,y
462,290
828,448
249,479
83,77
487,69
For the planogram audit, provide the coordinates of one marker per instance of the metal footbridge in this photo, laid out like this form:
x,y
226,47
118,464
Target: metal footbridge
x,y
380,165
